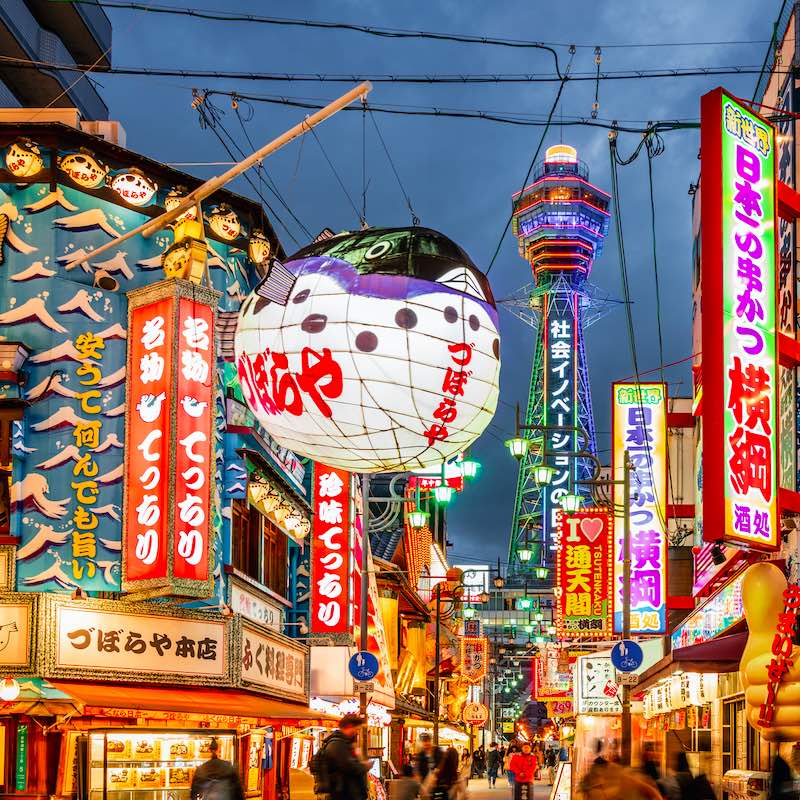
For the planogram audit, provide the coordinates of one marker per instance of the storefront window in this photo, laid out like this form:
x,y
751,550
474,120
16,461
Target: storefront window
x,y
259,547
150,765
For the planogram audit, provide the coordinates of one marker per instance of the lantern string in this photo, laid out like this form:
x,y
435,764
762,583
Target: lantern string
x,y
338,177
414,217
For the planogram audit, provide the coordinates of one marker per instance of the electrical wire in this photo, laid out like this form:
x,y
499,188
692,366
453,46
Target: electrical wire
x,y
338,177
262,171
414,217
665,125
209,119
499,78
396,33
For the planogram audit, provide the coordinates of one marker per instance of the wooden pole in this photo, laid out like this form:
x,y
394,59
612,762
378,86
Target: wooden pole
x,y
194,197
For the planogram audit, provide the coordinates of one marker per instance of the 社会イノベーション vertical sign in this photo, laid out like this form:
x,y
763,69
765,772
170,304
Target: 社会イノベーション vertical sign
x,y
739,353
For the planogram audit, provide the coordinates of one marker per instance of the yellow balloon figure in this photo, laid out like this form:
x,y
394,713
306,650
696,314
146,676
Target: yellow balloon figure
x,y
763,598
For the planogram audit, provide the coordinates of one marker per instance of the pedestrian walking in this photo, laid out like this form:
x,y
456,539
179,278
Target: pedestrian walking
x,y
216,779
493,764
524,766
479,762
650,762
339,770
512,750
550,764
447,785
427,758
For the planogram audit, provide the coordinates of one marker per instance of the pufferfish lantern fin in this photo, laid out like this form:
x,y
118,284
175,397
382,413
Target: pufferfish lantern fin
x,y
277,285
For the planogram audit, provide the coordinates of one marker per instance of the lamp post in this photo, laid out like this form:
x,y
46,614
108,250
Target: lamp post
x,y
518,446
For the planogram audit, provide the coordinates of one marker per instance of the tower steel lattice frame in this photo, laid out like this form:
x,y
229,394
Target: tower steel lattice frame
x,y
560,221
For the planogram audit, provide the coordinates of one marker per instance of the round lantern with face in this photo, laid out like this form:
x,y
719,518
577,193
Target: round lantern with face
x,y
24,159
134,187
84,169
372,351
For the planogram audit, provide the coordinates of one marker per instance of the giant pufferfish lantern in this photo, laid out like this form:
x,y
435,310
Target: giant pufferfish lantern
x,y
373,351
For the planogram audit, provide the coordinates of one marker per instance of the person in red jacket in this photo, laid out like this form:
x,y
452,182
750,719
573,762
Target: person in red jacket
x,y
523,765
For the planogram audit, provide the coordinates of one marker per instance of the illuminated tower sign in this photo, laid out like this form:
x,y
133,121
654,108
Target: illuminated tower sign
x,y
560,221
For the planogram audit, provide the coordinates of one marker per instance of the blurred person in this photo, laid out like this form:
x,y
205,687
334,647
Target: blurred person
x,y
338,769
479,762
216,779
550,764
650,762
406,787
427,758
510,752
494,762
446,786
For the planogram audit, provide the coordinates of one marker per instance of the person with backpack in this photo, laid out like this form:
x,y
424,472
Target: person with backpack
x,y
216,779
339,771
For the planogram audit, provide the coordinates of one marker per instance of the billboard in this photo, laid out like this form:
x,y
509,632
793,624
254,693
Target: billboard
x,y
639,422
330,550
584,565
739,362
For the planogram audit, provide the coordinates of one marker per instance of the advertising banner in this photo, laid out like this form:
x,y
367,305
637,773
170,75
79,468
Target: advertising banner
x,y
596,690
169,439
584,574
329,575
639,423
739,361
474,658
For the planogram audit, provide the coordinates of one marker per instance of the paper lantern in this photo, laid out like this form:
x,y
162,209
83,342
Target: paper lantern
x,y
372,351
24,159
84,169
258,247
134,187
173,199
224,222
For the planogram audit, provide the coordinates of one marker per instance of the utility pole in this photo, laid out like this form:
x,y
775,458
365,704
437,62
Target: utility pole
x,y
364,616
626,605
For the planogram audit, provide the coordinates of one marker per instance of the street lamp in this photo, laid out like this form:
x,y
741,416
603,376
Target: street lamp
x,y
570,503
469,468
517,446
417,518
541,573
543,474
525,554
484,597
469,612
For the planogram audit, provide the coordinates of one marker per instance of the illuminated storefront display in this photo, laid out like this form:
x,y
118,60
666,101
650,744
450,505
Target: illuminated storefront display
x,y
739,359
584,574
713,618
330,551
317,340
640,427
474,658
596,690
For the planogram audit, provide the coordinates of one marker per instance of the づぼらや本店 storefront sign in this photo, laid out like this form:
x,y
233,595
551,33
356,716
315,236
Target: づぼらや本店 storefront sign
x,y
111,640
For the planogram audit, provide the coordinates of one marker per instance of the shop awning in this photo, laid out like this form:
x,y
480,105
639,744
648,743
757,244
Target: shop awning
x,y
722,654
196,700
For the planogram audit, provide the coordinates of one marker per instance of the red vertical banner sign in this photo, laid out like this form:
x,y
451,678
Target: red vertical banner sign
x,y
194,463
169,435
330,550
147,436
584,574
739,324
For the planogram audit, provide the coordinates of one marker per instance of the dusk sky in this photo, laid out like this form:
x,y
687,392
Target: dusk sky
x,y
460,174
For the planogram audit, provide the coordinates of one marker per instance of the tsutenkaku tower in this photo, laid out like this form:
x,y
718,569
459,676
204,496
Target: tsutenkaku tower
x,y
560,221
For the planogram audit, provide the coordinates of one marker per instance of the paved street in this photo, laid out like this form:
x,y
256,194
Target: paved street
x,y
479,790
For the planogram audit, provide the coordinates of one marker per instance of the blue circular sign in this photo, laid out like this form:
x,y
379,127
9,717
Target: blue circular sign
x,y
363,666
627,656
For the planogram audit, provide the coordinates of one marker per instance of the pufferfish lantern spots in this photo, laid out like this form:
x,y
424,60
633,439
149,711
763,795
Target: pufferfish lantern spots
x,y
224,222
373,351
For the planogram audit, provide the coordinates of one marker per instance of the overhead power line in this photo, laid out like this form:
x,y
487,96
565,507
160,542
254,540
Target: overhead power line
x,y
498,78
390,33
